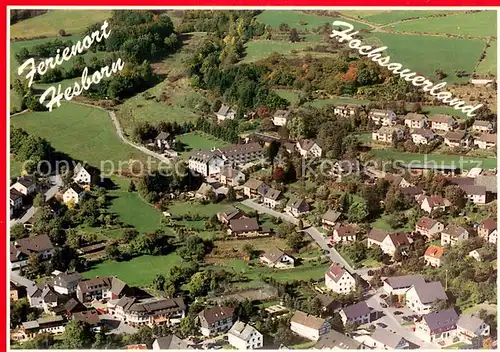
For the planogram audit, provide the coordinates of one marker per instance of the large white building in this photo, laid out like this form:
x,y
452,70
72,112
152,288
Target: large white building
x,y
243,336
339,280
309,326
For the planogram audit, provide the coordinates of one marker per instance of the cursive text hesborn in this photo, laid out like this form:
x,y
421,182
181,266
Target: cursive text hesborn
x,y
376,56
67,54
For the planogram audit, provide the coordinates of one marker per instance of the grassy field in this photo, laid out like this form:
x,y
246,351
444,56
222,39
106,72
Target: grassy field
x,y
200,140
361,13
291,95
15,167
324,102
478,24
182,101
294,19
49,24
85,133
387,17
260,48
179,208
139,271
489,64
440,159
132,209
410,49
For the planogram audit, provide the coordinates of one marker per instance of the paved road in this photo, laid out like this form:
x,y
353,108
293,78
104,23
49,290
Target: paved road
x,y
21,280
393,323
312,231
143,149
116,326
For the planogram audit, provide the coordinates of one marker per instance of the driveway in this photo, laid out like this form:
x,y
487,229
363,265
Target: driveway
x,y
116,326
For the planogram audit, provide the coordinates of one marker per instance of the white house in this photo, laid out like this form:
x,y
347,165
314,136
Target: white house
x,y
381,339
422,136
398,285
442,122
387,134
206,163
433,255
25,185
309,326
469,327
16,199
344,233
216,320
231,177
330,218
225,113
476,194
81,175
309,147
456,139
438,327
428,227
73,194
243,336
66,283
382,117
272,198
339,280
417,121
281,117
486,141
433,203
453,234
345,110
170,342
358,313
487,230
482,126
419,297
388,242
297,206
276,258
255,188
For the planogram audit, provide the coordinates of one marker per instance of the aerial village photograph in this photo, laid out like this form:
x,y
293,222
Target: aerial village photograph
x,y
253,179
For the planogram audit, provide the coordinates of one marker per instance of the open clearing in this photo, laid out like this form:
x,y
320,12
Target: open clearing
x,y
298,19
139,271
387,17
200,140
478,24
260,48
415,51
84,133
132,209
71,21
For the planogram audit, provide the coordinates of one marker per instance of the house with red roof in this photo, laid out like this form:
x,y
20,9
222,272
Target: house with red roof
x,y
432,255
339,280
428,227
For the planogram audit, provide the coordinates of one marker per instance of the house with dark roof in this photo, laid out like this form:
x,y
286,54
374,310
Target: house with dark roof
x,y
164,140
330,305
382,117
225,113
422,136
345,110
475,194
89,317
216,320
16,199
246,227
388,242
171,342
438,326
309,326
150,311
53,325
244,336
276,258
231,177
432,203
22,248
457,139
419,297
308,148
73,194
398,285
358,313
442,122
106,287
381,339
205,162
272,198
339,280
487,230
66,283
433,255
25,185
254,188
428,227
330,218
334,340
453,234
470,327
297,206
230,213
44,297
73,306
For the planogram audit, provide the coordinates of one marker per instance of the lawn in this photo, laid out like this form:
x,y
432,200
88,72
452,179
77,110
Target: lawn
x,y
49,24
387,17
179,208
200,140
15,167
410,49
340,100
478,24
181,103
459,161
85,133
139,271
489,64
381,224
291,95
361,13
299,20
132,209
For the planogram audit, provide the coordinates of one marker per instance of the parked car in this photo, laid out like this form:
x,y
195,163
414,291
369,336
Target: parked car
x,y
398,312
382,325
383,305
383,296
326,251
